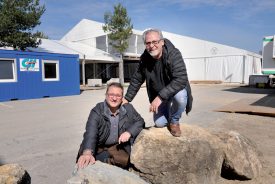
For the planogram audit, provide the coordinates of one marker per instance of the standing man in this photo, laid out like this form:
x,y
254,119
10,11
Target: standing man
x,y
110,131
162,67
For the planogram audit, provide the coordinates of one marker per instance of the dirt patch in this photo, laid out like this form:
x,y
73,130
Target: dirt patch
x,y
264,106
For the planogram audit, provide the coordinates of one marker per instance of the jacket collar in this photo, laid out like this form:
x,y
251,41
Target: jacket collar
x,y
122,110
167,47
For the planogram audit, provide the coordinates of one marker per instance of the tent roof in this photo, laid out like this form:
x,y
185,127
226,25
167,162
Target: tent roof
x,y
87,29
195,48
65,47
190,47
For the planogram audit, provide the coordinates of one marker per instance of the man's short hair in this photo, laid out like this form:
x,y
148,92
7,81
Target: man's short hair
x,y
152,30
115,84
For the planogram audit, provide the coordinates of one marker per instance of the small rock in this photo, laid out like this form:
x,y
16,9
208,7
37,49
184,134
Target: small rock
x,y
14,174
101,173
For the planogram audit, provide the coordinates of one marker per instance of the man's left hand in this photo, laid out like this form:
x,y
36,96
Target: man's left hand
x,y
155,105
124,137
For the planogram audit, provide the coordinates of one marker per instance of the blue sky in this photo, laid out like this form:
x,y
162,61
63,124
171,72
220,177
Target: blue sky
x,y
237,23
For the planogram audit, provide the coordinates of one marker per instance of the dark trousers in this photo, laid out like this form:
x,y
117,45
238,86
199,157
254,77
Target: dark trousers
x,y
114,155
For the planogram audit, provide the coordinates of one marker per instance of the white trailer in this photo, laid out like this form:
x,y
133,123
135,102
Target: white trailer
x,y
267,79
268,55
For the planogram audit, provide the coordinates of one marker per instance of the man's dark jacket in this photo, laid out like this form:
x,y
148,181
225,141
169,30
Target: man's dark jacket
x,y
98,126
164,77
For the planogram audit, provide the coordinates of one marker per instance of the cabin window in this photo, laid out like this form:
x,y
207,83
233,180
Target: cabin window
x,y
50,70
8,70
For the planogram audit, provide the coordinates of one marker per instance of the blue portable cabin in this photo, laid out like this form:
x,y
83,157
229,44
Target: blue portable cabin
x,y
28,75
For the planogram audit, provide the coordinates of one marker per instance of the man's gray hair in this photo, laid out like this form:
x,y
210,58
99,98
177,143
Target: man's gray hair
x,y
152,30
115,84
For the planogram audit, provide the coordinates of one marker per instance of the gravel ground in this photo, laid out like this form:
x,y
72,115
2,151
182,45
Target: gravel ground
x,y
43,135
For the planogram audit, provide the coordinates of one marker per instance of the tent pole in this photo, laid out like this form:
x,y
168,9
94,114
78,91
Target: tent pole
x,y
83,72
204,76
244,58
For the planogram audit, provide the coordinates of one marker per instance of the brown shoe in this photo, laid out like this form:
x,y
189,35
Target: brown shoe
x,y
174,129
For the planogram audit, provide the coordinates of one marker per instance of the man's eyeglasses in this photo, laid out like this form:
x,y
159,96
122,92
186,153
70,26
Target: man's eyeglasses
x,y
111,95
155,42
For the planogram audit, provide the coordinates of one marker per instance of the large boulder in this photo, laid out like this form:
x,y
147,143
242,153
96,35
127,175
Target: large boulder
x,y
241,157
101,173
14,174
198,156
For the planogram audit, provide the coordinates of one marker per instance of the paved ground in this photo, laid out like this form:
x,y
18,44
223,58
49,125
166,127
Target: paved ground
x,y
43,135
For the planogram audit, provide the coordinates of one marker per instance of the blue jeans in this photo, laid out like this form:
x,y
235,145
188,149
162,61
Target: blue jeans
x,y
170,111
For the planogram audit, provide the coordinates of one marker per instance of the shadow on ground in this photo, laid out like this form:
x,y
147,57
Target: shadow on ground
x,y
267,101
253,90
263,106
2,162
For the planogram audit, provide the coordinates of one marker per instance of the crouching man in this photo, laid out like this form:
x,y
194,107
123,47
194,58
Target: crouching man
x,y
110,131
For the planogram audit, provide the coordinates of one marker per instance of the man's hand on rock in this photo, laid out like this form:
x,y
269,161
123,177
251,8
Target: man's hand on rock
x,y
85,159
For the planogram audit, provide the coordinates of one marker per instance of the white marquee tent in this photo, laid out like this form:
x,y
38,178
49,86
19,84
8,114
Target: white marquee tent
x,y
212,61
204,60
